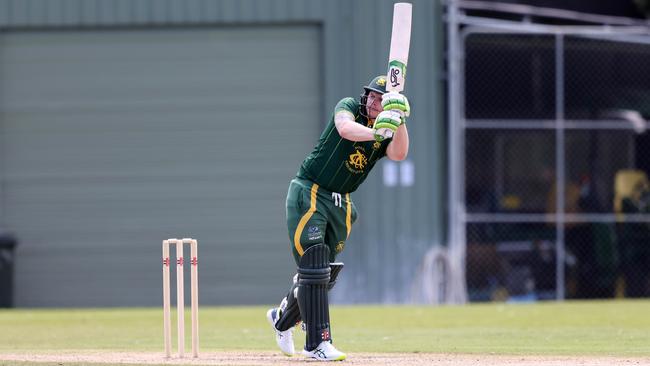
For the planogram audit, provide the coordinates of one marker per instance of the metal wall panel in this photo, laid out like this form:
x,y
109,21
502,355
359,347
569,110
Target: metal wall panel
x,y
384,253
352,47
114,141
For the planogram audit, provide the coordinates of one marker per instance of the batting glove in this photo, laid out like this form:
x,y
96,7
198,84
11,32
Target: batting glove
x,y
386,124
396,101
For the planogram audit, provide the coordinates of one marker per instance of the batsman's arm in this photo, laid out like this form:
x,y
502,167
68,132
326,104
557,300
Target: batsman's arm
x,y
350,130
398,148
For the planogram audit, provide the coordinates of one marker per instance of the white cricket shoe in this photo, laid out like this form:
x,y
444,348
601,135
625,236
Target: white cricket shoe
x,y
284,339
325,352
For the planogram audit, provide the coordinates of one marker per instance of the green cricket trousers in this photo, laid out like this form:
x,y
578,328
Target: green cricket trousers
x,y
316,215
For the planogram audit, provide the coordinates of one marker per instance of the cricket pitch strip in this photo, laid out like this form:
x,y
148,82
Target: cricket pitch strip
x,y
274,358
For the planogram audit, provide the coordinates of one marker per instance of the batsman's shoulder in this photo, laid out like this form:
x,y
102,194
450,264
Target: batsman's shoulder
x,y
347,104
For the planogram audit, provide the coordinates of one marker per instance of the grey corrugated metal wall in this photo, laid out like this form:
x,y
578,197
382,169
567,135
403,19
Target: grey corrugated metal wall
x,y
353,44
116,140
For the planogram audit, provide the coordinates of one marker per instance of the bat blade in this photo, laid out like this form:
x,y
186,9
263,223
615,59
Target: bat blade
x,y
399,47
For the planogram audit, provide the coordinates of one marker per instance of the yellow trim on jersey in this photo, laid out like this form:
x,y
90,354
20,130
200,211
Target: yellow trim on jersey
x,y
304,219
348,214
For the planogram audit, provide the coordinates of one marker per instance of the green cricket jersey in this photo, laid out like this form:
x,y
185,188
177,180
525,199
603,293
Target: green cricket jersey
x,y
340,165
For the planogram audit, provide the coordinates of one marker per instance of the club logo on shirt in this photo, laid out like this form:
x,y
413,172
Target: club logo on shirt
x,y
357,160
376,145
340,246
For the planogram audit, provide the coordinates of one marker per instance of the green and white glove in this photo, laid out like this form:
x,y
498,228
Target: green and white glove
x,y
386,124
396,101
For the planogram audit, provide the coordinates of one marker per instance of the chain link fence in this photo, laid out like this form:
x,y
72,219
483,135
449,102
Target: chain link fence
x,y
556,157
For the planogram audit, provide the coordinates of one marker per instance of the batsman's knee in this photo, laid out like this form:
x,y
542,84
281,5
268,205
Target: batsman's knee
x,y
314,268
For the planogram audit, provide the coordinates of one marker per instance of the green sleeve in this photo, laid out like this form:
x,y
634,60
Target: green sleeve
x,y
347,104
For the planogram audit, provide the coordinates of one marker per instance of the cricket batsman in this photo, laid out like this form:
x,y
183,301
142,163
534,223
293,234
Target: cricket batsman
x,y
320,211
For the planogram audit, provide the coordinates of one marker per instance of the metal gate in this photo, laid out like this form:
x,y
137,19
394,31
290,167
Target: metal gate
x,y
548,155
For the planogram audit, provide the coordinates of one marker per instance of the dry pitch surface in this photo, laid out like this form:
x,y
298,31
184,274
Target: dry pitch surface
x,y
359,359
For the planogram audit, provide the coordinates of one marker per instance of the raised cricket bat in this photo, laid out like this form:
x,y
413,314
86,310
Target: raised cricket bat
x,y
400,41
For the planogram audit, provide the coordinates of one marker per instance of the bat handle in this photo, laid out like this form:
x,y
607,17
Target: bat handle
x,y
385,133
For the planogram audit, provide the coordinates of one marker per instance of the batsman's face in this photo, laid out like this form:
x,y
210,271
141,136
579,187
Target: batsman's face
x,y
373,104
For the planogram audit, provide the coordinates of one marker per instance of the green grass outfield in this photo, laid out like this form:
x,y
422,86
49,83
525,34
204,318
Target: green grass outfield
x,y
614,328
